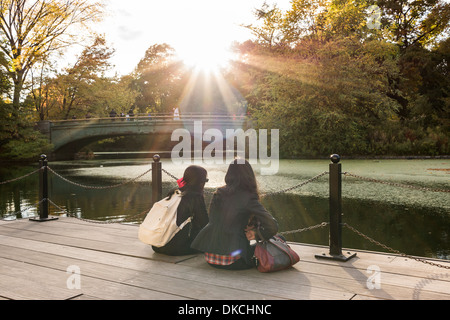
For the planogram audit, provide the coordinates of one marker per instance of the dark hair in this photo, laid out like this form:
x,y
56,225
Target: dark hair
x,y
194,178
240,176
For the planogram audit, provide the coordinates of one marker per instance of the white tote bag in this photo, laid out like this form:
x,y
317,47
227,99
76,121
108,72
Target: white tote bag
x,y
160,224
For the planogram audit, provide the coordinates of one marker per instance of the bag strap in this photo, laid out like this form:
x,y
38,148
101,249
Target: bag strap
x,y
258,232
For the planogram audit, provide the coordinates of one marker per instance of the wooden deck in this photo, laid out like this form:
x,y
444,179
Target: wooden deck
x,y
113,264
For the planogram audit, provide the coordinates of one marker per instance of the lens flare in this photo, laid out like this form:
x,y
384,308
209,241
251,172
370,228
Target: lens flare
x,y
236,253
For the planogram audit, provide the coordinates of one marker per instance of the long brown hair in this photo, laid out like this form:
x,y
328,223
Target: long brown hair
x,y
240,176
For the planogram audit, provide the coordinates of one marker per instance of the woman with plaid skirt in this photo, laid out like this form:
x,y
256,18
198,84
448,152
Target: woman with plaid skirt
x,y
225,240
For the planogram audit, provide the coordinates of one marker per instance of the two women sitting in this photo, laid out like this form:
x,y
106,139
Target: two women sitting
x,y
225,235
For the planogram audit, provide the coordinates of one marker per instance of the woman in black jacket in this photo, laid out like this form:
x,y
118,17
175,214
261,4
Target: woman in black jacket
x,y
224,239
192,204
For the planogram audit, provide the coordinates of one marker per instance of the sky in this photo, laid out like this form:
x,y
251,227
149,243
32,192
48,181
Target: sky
x,y
197,29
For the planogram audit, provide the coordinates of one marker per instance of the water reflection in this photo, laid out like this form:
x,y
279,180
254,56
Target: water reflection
x,y
416,230
411,221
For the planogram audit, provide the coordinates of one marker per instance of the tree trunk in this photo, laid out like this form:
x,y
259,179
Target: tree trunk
x,y
18,85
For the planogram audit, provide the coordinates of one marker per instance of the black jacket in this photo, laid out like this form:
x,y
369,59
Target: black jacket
x,y
191,204
229,214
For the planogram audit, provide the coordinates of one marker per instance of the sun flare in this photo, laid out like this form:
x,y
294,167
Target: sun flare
x,y
205,58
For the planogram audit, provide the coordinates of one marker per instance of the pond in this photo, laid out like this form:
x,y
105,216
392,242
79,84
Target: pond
x,y
412,220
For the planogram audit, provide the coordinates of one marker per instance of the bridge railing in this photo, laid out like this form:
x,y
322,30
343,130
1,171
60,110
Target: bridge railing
x,y
335,222
156,116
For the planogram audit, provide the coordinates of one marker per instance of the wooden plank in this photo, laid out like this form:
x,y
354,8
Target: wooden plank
x,y
417,268
74,231
24,281
21,289
324,277
391,262
386,277
30,281
224,287
130,231
383,261
48,260
109,290
5,222
408,276
359,297
125,229
254,286
99,280
104,252
85,297
354,279
137,248
163,286
79,236
78,253
94,223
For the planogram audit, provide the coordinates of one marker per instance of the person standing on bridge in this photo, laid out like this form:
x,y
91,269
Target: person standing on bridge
x,y
192,204
176,114
113,114
130,115
226,239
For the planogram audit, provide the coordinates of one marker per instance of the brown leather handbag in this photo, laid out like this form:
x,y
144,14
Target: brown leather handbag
x,y
274,255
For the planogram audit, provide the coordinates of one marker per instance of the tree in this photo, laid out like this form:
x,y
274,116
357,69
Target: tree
x,y
77,82
18,138
339,85
40,87
409,23
317,20
33,29
270,31
84,89
415,27
346,18
332,100
304,19
159,78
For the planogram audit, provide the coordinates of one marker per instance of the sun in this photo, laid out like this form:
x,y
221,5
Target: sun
x,y
206,58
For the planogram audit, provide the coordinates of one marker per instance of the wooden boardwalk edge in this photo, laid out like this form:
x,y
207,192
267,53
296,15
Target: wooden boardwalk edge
x,y
73,259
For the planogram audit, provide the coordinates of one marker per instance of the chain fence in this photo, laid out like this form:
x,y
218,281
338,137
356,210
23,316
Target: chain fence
x,y
265,194
169,174
394,184
22,177
393,250
296,186
320,225
21,211
98,187
141,214
71,215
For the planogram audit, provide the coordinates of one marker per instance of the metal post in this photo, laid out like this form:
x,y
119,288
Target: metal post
x,y
43,192
335,203
156,179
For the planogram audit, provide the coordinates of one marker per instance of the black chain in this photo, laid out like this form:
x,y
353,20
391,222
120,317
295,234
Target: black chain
x,y
395,184
393,250
22,177
95,187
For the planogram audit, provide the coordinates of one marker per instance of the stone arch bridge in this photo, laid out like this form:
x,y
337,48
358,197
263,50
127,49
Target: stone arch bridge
x,y
70,136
